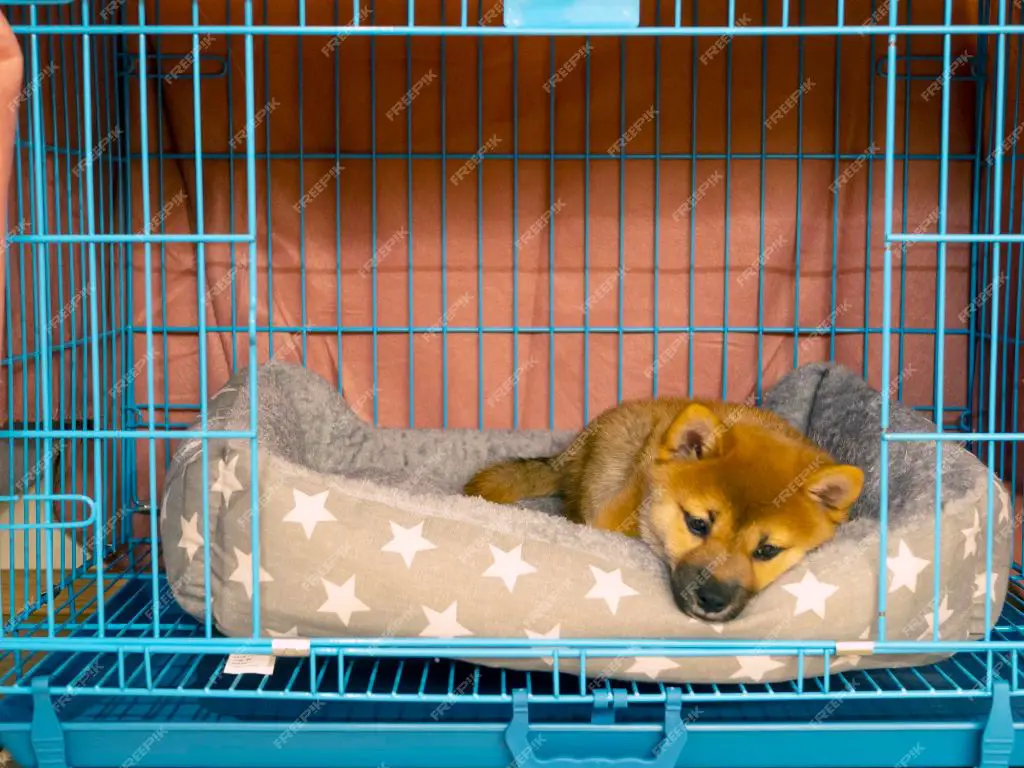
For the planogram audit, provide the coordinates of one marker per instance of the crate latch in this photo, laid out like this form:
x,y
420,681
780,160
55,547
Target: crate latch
x,y
46,733
524,745
997,738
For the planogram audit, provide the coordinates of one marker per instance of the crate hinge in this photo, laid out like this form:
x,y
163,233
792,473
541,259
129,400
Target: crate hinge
x,y
997,738
605,704
46,733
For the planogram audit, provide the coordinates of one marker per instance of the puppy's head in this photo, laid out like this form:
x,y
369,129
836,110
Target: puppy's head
x,y
731,507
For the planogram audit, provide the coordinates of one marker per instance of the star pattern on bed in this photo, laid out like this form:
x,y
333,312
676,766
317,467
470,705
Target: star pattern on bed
x,y
243,572
971,536
810,594
342,600
508,566
444,624
610,589
191,540
651,666
309,510
226,483
754,668
555,633
407,542
944,613
609,586
905,567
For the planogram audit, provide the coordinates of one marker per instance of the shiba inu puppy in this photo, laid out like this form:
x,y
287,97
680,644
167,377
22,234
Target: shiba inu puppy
x,y
729,496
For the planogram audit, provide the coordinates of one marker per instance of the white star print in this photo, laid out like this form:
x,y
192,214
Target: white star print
x,y
866,634
509,566
555,633
944,613
243,573
309,510
191,539
1004,513
608,586
342,601
979,585
444,623
407,542
810,594
652,666
905,569
226,482
755,667
719,628
293,632
971,537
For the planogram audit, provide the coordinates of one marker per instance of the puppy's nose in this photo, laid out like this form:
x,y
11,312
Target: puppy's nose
x,y
714,596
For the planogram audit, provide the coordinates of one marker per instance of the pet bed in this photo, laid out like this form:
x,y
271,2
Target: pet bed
x,y
363,533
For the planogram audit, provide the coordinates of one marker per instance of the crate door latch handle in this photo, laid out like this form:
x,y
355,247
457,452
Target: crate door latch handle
x,y
522,744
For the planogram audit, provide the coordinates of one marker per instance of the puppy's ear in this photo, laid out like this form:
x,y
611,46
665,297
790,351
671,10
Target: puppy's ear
x,y
695,434
835,489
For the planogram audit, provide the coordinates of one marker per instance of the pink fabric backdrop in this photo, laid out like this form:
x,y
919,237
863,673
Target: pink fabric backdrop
x,y
443,236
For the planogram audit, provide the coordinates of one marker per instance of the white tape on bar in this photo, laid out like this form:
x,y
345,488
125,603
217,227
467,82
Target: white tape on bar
x,y
855,648
291,646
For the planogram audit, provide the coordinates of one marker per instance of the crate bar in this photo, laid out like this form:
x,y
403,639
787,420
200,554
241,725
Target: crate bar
x,y
940,315
890,137
713,31
42,319
133,238
1000,98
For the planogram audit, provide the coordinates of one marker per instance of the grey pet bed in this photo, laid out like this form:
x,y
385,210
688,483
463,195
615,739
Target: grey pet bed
x,y
363,534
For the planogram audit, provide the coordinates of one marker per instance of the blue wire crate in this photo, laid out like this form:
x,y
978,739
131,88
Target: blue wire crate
x,y
92,675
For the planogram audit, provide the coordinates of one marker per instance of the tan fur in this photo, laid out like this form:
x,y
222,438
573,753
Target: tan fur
x,y
637,467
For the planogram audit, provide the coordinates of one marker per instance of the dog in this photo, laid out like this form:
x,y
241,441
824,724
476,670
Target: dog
x,y
729,496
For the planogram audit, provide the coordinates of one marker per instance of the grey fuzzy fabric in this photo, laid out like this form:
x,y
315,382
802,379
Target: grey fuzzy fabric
x,y
362,533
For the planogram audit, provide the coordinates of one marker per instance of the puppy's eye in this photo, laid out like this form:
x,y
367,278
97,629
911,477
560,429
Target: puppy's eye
x,y
766,552
698,525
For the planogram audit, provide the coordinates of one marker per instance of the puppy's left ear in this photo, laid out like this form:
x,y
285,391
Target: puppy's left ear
x,y
835,489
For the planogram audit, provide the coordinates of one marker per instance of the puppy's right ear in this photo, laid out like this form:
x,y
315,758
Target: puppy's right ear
x,y
695,434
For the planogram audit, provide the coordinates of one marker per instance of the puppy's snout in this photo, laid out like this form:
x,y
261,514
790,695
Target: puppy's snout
x,y
714,596
699,594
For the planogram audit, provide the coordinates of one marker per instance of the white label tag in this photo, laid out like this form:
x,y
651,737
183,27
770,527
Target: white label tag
x,y
249,664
